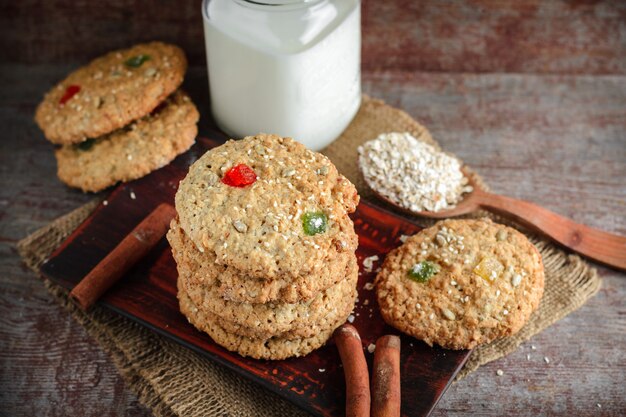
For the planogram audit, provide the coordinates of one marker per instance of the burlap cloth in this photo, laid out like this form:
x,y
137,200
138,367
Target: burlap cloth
x,y
174,381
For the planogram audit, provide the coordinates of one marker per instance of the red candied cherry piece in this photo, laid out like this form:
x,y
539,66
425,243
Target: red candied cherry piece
x,y
70,92
239,176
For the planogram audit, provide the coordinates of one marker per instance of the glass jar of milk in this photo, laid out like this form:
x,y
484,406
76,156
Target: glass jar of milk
x,y
289,67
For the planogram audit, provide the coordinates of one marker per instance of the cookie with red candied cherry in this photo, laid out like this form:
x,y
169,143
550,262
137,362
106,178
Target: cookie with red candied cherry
x,y
110,92
130,153
461,283
268,207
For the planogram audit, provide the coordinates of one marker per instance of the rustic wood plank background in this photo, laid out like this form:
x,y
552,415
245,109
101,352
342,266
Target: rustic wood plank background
x,y
523,36
532,94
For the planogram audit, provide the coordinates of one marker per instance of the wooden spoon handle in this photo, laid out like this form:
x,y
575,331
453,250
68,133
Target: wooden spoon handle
x,y
601,246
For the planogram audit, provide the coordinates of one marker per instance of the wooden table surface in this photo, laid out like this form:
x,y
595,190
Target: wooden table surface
x,y
547,130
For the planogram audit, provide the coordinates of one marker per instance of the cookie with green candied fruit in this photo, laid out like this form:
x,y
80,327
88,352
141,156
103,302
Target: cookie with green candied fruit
x,y
461,283
110,92
130,153
268,207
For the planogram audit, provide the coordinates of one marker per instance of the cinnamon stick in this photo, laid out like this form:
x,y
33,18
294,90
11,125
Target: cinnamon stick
x,y
127,253
355,370
386,377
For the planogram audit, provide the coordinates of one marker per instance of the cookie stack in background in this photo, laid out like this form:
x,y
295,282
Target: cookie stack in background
x,y
119,117
264,247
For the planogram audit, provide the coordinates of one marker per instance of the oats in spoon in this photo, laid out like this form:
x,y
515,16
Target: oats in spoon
x,y
411,173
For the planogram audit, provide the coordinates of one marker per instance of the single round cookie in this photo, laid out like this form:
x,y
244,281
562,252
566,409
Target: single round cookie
x,y
461,283
247,201
274,318
233,285
279,320
110,92
273,348
130,153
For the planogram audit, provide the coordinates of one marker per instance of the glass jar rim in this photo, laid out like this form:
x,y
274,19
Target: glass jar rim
x,y
275,2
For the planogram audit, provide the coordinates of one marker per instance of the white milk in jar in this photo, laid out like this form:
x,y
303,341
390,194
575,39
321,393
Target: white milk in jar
x,y
289,67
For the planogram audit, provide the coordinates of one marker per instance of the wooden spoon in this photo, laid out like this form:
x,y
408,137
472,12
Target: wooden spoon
x,y
600,246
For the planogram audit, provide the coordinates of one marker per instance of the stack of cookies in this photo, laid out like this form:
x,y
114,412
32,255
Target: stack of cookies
x,y
264,247
119,117
461,283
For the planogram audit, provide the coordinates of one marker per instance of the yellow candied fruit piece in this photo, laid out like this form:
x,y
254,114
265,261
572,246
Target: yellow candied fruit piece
x,y
489,269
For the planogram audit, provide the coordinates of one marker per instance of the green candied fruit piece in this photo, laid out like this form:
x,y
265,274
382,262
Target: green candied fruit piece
x,y
86,145
137,60
423,271
314,222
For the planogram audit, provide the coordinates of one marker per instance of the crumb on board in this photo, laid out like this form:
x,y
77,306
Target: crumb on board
x,y
368,263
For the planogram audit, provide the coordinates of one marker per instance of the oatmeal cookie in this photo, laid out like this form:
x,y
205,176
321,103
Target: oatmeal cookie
x,y
267,206
263,320
132,152
273,348
461,283
284,320
110,92
232,284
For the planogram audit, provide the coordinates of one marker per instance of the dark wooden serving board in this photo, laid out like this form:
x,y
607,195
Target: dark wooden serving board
x,y
148,295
